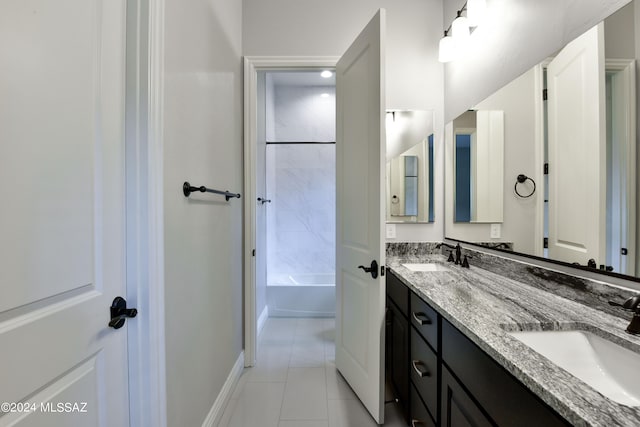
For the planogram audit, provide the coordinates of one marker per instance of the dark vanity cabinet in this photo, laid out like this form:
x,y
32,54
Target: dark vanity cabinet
x,y
397,341
442,378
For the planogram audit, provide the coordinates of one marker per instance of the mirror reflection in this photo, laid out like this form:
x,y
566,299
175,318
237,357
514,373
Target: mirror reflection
x,y
478,162
409,176
569,174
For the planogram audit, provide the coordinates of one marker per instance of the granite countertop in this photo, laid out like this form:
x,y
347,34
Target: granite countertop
x,y
484,306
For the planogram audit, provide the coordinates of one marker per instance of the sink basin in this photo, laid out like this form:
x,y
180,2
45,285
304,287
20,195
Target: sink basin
x,y
607,367
426,267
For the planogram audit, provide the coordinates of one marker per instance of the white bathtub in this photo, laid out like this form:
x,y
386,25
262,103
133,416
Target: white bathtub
x,y
302,295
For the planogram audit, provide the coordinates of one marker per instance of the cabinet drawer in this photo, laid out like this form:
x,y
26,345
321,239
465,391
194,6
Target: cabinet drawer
x,y
425,320
419,415
424,372
398,292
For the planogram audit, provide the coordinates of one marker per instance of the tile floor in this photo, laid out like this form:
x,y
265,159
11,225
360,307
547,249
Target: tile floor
x,y
295,382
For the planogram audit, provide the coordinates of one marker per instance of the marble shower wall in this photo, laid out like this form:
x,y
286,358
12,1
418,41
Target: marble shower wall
x,y
301,218
301,183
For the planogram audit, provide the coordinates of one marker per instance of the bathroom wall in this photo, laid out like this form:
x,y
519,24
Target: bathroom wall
x,y
301,183
414,75
517,35
517,100
203,234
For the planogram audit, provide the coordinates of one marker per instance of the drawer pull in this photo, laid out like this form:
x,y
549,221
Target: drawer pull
x,y
416,423
424,373
423,319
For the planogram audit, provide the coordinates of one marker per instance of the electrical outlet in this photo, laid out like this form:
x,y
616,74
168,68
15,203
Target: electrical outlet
x,y
391,231
495,231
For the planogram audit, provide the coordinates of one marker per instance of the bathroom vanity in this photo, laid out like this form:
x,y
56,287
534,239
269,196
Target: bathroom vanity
x,y
454,356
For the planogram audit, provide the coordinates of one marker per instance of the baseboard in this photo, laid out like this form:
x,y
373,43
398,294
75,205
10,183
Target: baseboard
x,y
262,319
215,414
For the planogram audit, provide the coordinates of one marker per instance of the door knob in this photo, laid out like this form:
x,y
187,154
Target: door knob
x,y
120,312
373,269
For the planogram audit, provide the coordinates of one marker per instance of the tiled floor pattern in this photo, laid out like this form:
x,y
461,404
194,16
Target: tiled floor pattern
x,y
295,382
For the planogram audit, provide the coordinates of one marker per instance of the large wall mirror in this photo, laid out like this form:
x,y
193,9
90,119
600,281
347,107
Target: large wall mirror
x,y
409,174
568,136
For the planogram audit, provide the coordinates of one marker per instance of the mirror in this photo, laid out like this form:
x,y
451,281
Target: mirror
x,y
409,176
478,164
569,180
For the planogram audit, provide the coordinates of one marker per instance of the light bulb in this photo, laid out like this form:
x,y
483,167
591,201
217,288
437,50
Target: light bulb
x,y
476,10
326,74
446,49
460,30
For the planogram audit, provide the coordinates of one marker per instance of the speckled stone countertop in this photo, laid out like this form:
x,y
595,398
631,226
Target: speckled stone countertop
x,y
484,305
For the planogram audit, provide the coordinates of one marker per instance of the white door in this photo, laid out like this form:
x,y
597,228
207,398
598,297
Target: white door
x,y
62,229
577,166
360,166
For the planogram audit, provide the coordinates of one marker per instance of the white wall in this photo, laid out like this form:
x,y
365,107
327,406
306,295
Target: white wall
x,y
203,234
303,115
414,75
518,34
517,100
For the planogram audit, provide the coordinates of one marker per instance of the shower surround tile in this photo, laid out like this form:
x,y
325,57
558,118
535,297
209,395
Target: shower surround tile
x,y
301,218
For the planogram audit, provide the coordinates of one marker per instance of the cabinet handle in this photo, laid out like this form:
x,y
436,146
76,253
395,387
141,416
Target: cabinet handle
x,y
415,423
425,321
415,364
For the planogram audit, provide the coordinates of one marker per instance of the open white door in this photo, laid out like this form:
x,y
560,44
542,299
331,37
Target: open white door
x,y
577,150
360,167
62,221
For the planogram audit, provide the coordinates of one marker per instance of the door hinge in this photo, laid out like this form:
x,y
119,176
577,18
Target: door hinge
x,y
545,94
545,243
253,252
382,270
546,169
623,251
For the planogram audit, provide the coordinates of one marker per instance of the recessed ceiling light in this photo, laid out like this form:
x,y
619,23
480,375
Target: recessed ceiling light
x,y
326,74
325,95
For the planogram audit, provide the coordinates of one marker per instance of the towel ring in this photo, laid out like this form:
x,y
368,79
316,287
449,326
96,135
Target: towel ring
x,y
521,179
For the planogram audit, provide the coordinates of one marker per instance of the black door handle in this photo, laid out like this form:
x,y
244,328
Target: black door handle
x,y
120,312
373,269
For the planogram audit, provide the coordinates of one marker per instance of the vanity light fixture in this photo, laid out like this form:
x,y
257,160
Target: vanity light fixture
x,y
456,37
326,74
476,10
446,49
460,30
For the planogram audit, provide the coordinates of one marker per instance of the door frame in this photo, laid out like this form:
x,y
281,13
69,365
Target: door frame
x,y
627,69
252,65
144,211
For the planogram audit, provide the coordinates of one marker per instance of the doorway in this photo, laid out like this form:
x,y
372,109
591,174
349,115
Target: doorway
x,y
296,214
290,188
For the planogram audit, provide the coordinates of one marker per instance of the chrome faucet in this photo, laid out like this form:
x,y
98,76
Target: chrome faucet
x,y
631,304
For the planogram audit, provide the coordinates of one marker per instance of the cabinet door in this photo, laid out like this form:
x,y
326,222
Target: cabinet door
x,y
398,352
458,409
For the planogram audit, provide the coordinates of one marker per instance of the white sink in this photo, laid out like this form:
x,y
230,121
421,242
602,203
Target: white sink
x,y
426,267
607,367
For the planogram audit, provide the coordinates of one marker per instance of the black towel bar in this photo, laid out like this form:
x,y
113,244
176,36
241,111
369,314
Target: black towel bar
x,y
187,189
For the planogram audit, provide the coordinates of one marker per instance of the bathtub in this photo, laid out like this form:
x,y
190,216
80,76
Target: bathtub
x,y
302,295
